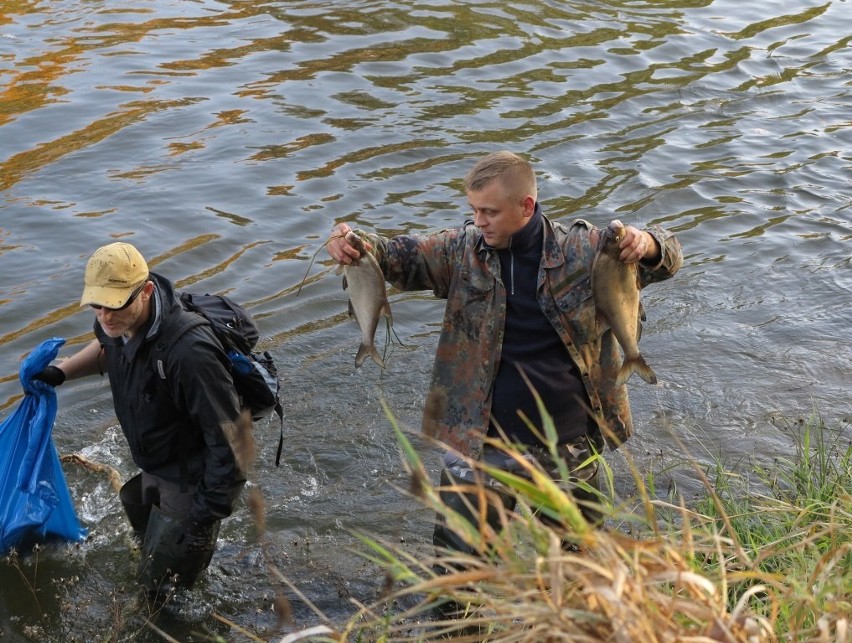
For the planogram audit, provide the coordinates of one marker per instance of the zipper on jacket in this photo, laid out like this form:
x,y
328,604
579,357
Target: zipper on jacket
x,y
511,265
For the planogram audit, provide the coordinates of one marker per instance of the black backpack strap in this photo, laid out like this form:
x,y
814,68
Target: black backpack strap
x,y
169,336
162,345
279,411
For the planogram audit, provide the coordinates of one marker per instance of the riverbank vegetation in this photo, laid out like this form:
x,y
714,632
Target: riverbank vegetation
x,y
764,556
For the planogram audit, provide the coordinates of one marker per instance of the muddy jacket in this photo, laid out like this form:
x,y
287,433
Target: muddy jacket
x,y
458,266
173,424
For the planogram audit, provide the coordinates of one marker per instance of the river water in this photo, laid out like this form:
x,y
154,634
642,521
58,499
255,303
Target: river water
x,y
225,139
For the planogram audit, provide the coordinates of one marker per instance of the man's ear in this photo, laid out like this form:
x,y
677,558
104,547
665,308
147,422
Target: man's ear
x,y
148,288
528,204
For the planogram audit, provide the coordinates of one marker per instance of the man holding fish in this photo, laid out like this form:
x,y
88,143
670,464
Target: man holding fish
x,y
533,305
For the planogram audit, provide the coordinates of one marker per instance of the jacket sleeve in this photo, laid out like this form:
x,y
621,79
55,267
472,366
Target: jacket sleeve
x,y
419,262
201,382
671,258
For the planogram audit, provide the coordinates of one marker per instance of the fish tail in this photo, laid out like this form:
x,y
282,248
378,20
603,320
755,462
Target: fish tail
x,y
377,358
636,365
365,351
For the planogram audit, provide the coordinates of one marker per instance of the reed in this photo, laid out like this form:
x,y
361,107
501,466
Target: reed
x,y
759,558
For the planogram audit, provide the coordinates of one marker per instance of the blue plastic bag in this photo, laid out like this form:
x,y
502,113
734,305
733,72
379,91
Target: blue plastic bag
x,y
35,505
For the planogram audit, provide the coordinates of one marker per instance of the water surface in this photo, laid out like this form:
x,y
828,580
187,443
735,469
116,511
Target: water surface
x,y
225,139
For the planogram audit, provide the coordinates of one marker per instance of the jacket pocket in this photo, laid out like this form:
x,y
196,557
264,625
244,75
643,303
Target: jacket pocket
x,y
471,307
576,306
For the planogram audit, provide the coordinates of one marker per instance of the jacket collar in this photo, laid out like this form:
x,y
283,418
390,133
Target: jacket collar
x,y
552,255
530,236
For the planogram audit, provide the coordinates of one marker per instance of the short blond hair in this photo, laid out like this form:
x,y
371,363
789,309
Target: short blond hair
x,y
514,172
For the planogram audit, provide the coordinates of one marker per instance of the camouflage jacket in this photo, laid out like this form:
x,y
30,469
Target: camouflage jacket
x,y
458,266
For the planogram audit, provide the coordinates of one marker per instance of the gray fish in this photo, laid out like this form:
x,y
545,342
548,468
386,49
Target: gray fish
x,y
615,287
368,299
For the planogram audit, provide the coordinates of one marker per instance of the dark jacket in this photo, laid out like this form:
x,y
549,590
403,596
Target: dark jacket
x,y
174,424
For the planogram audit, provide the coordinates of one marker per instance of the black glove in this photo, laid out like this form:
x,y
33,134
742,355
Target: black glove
x,y
51,375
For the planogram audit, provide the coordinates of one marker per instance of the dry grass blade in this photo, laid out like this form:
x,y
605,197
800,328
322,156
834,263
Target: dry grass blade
x,y
318,630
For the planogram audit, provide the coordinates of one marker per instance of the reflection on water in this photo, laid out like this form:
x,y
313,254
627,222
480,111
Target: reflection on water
x,y
225,139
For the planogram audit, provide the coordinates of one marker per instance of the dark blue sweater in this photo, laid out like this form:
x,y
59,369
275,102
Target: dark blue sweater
x,y
530,343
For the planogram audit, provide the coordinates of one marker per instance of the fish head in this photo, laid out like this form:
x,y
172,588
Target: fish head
x,y
358,241
355,240
611,238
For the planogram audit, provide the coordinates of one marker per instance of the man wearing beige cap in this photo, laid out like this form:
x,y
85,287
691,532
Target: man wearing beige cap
x,y
177,417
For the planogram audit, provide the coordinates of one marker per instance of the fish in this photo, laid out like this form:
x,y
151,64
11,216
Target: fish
x,y
368,299
615,288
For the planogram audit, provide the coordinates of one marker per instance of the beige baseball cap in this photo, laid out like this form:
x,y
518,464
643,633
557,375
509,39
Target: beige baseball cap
x,y
113,273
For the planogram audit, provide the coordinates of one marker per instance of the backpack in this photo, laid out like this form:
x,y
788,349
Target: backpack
x,y
255,374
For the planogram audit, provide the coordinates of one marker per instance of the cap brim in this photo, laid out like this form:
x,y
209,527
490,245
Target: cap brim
x,y
106,297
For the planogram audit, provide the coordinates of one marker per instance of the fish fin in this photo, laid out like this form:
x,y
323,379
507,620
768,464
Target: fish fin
x,y
377,358
363,351
339,271
635,365
371,351
386,311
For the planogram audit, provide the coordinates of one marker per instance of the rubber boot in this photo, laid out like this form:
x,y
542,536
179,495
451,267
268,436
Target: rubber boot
x,y
135,505
167,560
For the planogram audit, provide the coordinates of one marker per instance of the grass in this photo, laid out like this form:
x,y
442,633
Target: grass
x,y
792,525
764,557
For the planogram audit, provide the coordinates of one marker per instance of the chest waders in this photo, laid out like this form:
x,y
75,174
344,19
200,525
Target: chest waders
x,y
167,559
